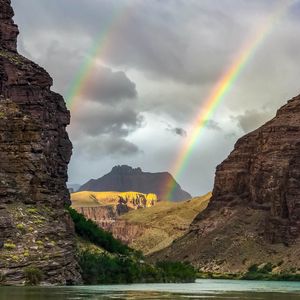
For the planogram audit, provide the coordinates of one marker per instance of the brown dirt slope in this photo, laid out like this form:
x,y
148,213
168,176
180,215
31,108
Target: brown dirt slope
x,y
163,223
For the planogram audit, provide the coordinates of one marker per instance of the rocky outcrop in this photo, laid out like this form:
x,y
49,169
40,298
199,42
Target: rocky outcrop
x,y
107,217
254,213
35,230
125,179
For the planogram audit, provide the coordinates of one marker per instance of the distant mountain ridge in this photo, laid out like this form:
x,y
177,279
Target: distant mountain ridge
x,y
125,178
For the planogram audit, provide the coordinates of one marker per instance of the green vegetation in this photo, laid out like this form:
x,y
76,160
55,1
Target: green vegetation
x,y
9,246
256,272
2,277
265,273
103,268
21,227
117,263
89,230
33,276
32,210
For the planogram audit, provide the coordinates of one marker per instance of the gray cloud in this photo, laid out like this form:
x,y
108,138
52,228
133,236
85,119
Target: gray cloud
x,y
109,87
95,119
214,125
96,148
251,119
177,131
180,131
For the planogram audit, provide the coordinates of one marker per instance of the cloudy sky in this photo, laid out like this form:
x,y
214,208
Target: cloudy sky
x,y
157,61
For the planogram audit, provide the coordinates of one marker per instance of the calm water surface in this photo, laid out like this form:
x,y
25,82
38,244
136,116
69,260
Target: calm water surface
x,y
202,289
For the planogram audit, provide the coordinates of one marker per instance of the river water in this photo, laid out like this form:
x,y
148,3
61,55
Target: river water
x,y
201,289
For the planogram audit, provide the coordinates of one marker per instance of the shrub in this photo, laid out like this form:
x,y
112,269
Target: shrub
x,y
33,276
90,231
177,271
9,246
21,227
104,269
267,268
253,268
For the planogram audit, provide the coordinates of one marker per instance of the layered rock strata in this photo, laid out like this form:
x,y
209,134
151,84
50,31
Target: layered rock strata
x,y
254,213
35,230
107,218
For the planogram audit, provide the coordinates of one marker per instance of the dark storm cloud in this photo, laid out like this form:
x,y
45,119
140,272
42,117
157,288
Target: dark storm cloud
x,y
152,36
109,87
116,121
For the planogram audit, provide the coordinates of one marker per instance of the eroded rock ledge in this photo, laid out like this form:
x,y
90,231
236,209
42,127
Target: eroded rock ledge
x,y
35,230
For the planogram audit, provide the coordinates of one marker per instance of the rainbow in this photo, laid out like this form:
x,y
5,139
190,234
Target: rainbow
x,y
221,89
97,51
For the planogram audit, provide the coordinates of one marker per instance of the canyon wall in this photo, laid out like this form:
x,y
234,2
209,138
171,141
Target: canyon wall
x,y
107,218
35,229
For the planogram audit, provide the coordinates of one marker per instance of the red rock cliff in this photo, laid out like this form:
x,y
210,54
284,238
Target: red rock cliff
x,y
35,150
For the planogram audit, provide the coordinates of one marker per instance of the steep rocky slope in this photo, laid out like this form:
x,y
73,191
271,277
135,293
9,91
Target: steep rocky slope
x,y
161,224
35,230
149,229
125,178
254,213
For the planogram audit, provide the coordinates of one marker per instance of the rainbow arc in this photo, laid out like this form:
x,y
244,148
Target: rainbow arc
x,y
222,88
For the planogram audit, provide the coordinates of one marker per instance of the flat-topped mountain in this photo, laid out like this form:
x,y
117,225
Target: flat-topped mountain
x,y
125,179
254,213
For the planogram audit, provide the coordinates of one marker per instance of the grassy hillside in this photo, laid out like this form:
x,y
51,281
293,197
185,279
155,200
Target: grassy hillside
x,y
92,199
164,222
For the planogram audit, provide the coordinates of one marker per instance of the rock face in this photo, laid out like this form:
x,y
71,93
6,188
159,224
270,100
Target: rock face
x,y
125,178
107,217
105,208
35,230
254,213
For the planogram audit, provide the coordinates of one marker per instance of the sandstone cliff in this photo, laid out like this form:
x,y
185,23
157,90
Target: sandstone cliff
x,y
254,213
122,200
35,230
125,178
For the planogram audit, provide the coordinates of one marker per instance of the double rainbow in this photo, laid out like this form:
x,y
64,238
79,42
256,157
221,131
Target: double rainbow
x,y
104,42
221,89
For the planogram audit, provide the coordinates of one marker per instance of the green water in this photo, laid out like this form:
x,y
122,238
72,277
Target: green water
x,y
202,289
